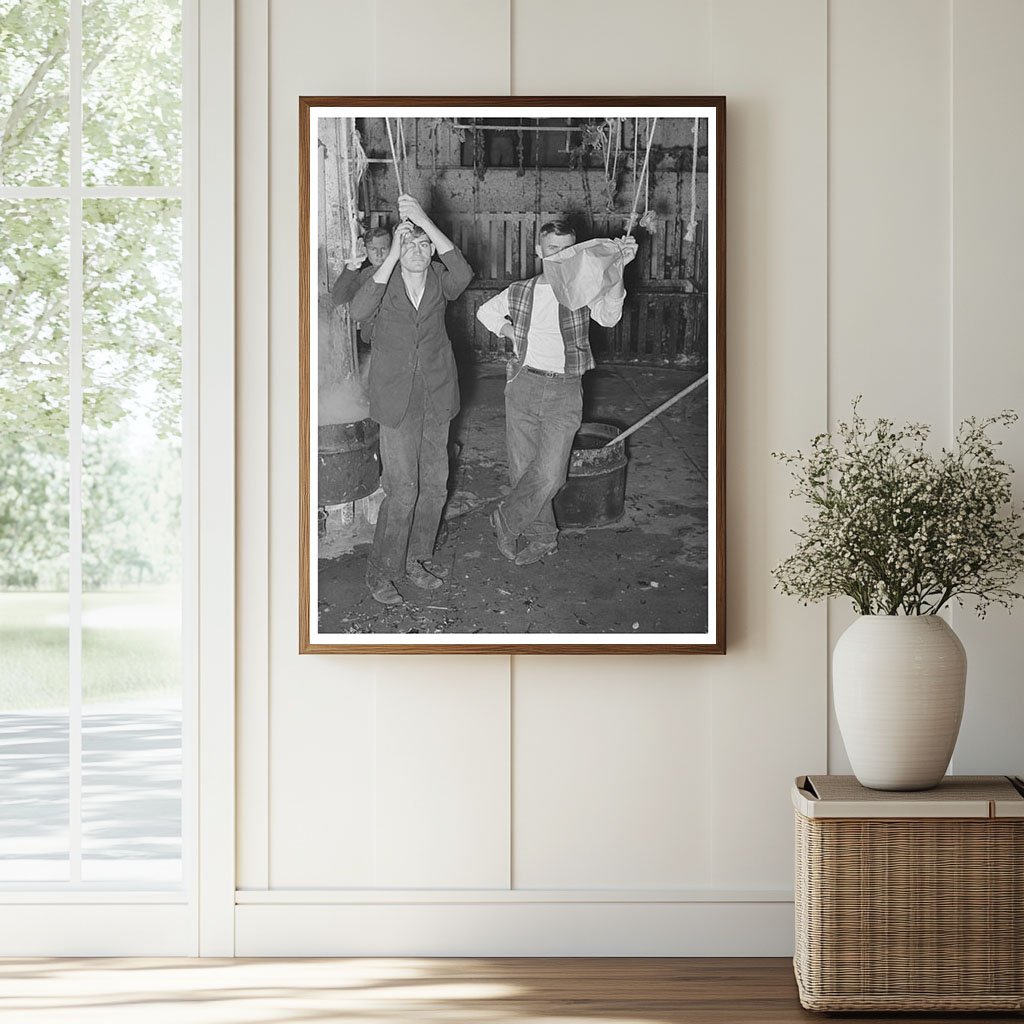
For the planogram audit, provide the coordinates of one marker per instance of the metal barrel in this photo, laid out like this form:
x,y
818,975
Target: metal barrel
x,y
594,494
348,459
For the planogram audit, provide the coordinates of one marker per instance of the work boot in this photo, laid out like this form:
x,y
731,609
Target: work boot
x,y
384,591
535,551
506,539
421,576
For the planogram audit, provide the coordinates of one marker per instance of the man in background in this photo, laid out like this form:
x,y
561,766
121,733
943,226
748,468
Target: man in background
x,y
373,246
544,393
414,394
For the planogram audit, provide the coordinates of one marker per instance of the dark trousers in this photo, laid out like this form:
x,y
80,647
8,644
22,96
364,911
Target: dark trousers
x,y
542,415
414,456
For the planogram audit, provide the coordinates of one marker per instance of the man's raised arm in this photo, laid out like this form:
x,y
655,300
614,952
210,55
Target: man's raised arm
x,y
365,302
607,310
457,273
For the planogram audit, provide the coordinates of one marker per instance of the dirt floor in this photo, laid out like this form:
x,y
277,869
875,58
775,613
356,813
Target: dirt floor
x,y
645,573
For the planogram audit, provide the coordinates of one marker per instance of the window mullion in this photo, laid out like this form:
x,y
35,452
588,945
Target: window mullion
x,y
75,303
94,191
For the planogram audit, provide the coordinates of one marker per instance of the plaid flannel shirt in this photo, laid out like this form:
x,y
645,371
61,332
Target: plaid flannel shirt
x,y
573,324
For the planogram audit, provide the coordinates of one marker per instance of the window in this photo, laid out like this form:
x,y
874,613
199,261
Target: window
x,y
95,463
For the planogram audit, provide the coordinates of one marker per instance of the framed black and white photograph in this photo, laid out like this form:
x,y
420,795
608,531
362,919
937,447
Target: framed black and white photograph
x,y
512,375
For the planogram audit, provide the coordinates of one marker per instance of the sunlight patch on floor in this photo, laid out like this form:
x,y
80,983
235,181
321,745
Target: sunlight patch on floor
x,y
220,991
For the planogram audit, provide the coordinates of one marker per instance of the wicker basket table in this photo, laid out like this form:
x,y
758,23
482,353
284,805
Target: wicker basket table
x,y
910,901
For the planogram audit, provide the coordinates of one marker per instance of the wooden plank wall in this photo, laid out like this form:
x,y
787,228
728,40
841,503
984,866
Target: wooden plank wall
x,y
665,317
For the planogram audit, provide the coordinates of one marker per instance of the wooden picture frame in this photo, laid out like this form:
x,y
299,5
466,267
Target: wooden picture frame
x,y
640,561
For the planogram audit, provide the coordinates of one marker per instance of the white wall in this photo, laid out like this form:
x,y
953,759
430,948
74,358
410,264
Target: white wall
x,y
625,805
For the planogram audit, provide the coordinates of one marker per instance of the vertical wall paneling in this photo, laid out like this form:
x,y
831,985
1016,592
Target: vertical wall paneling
x,y
612,775
629,805
320,708
442,48
769,692
578,47
253,458
608,752
987,367
442,723
442,774
323,761
889,244
889,208
324,725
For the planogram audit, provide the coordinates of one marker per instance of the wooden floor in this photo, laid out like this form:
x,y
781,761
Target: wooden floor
x,y
413,991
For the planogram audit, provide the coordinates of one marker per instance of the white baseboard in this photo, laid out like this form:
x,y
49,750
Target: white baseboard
x,y
519,928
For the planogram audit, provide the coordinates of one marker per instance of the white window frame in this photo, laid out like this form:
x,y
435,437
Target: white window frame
x,y
197,918
216,392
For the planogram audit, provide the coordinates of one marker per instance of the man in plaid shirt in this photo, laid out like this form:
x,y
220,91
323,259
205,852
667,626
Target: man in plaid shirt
x,y
544,393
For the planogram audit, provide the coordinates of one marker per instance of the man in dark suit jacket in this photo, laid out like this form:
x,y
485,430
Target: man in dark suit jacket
x,y
414,394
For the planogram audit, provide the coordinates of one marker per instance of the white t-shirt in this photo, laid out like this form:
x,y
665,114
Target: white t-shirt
x,y
545,349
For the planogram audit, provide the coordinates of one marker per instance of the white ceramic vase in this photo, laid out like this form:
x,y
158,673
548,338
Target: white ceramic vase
x,y
898,684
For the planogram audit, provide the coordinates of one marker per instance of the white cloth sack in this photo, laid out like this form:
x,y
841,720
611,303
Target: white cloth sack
x,y
582,273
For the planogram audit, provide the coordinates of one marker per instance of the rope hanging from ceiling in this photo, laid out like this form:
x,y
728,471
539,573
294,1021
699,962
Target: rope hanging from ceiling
x,y
644,180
